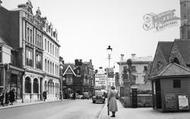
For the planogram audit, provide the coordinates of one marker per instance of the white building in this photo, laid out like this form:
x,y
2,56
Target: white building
x,y
100,79
139,69
51,62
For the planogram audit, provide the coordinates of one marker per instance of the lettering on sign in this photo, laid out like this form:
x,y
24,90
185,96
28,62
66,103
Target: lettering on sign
x,y
160,21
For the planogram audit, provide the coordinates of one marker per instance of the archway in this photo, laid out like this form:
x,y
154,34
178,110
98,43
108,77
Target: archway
x,y
35,86
27,85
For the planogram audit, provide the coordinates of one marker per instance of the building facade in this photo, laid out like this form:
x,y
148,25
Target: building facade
x,y
78,77
100,79
26,34
139,69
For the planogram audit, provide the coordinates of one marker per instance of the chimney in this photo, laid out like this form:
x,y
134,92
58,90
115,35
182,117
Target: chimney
x,y
122,56
76,62
133,55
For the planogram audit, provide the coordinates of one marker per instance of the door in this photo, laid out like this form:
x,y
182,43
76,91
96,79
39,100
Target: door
x,y
158,94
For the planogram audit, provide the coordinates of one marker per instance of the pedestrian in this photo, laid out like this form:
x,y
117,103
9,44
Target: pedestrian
x,y
2,98
45,95
6,97
74,95
112,102
12,96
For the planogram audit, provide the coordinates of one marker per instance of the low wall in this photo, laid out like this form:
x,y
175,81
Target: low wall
x,y
143,100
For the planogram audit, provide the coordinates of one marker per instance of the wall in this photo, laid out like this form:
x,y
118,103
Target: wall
x,y
167,88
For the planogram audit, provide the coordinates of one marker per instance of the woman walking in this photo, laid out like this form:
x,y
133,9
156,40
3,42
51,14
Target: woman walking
x,y
112,102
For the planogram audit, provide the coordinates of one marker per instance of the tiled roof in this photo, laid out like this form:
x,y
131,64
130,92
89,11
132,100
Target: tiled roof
x,y
184,49
165,47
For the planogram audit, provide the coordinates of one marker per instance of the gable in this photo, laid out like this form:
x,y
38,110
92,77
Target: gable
x,y
69,70
159,61
174,69
184,49
175,53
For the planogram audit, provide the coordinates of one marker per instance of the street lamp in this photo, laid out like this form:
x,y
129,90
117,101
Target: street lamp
x,y
109,49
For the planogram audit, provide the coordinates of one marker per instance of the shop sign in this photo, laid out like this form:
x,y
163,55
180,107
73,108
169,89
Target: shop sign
x,y
183,102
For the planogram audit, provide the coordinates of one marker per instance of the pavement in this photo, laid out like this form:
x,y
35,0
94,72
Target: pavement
x,y
141,113
20,104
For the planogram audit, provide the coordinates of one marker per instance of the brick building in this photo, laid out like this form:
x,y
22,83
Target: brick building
x,y
78,77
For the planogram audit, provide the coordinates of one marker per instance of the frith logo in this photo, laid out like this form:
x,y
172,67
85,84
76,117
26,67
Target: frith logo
x,y
160,21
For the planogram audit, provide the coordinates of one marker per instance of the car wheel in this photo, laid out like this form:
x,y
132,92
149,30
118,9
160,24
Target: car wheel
x,y
93,101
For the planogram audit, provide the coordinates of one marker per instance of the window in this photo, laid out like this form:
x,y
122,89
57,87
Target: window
x,y
27,34
53,50
38,60
0,54
31,40
27,85
133,68
48,67
48,46
69,80
45,64
45,44
35,86
145,68
176,83
29,56
53,68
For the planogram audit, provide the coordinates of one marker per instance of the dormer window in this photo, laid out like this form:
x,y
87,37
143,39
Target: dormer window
x,y
175,60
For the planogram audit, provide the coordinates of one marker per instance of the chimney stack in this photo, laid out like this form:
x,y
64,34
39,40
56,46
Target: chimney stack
x,y
133,55
122,56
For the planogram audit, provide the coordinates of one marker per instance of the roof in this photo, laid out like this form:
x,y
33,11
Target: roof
x,y
137,60
165,47
184,49
173,69
2,42
68,68
142,59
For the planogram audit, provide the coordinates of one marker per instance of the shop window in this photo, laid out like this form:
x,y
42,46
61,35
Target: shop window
x,y
176,83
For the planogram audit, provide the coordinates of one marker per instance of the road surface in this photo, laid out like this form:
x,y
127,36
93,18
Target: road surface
x,y
67,109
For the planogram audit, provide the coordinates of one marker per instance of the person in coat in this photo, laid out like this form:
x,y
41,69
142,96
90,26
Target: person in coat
x,y
45,95
12,96
112,102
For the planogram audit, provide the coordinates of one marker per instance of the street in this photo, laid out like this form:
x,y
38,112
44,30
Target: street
x,y
67,109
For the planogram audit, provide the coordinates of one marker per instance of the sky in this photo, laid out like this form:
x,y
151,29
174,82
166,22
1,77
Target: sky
x,y
86,27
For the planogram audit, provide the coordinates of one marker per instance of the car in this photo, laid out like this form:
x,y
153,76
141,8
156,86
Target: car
x,y
98,97
85,95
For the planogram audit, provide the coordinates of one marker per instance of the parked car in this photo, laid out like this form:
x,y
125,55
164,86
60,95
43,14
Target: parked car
x,y
85,95
98,97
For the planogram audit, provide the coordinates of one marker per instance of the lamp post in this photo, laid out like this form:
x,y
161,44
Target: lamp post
x,y
109,49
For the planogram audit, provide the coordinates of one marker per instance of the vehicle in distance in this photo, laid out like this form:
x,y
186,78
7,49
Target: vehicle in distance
x,y
99,97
